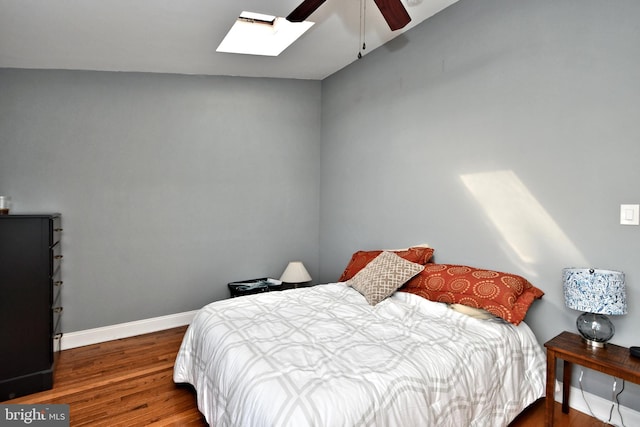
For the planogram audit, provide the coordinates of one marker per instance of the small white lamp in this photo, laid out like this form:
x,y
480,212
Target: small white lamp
x,y
597,293
295,274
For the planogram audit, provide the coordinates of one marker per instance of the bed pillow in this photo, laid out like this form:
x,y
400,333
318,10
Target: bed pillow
x,y
513,315
476,313
418,254
505,295
503,288
383,276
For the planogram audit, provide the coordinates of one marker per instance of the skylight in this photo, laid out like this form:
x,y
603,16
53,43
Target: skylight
x,y
258,34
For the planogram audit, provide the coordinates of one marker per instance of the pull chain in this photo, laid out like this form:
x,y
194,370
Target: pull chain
x,y
363,26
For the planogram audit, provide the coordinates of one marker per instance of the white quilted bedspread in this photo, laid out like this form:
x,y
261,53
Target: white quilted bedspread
x,y
321,356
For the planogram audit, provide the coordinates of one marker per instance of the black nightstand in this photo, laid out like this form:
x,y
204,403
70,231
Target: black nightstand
x,y
256,286
252,286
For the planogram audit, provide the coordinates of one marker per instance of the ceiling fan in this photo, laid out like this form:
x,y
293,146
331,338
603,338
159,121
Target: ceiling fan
x,y
392,10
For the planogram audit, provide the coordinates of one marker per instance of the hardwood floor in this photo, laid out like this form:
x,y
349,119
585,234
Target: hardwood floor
x,y
129,382
534,417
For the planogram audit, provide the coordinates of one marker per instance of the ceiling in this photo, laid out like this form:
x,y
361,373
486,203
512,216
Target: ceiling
x,y
181,36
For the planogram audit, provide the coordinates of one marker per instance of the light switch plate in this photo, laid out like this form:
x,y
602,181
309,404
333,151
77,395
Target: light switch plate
x,y
630,214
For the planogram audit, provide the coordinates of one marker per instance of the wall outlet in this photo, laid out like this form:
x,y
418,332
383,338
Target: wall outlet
x,y
630,214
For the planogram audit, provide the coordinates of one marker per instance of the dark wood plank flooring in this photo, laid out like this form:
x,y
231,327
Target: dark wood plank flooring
x,y
129,382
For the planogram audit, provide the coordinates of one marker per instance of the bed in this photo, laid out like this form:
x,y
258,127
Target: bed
x,y
326,356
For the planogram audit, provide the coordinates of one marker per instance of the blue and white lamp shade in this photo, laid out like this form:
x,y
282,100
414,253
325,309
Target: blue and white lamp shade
x,y
594,290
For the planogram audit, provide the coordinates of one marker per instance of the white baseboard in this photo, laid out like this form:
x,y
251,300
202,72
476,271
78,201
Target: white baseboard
x,y
125,330
599,406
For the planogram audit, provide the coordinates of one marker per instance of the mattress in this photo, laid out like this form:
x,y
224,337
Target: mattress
x,y
322,356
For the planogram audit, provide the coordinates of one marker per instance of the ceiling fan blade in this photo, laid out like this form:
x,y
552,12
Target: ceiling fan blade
x,y
394,13
304,10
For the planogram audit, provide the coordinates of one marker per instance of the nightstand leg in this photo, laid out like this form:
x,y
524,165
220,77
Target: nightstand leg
x,y
551,382
566,386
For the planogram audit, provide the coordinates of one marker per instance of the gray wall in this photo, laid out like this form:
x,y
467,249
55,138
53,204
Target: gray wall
x,y
170,186
503,133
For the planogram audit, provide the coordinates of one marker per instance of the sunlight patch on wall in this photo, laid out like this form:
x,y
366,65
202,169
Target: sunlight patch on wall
x,y
522,221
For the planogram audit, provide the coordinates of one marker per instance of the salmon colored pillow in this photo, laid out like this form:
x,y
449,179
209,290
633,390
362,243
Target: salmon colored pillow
x,y
503,288
505,295
419,254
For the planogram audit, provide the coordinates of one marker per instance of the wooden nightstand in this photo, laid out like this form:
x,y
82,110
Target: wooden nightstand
x,y
611,360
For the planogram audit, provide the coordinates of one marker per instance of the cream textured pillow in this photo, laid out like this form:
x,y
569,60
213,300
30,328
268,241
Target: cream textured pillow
x,y
382,276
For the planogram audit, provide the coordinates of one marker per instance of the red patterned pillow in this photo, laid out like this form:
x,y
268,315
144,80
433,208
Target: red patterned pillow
x,y
502,288
419,254
506,295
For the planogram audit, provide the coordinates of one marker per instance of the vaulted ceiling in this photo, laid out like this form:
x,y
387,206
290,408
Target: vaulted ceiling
x,y
181,36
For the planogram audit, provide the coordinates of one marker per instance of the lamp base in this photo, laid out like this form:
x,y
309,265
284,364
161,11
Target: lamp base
x,y
292,285
593,344
596,329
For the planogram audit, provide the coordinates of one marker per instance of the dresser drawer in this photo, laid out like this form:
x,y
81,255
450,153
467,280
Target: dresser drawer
x,y
56,259
56,231
57,345
57,294
56,336
57,316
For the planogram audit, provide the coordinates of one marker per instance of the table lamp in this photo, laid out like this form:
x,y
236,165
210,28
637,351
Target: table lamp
x,y
597,293
295,273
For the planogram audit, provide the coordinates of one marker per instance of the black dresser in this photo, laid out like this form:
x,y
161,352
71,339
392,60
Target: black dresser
x,y
30,302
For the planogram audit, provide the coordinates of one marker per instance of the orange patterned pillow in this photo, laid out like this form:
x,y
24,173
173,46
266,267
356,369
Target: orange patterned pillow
x,y
419,254
506,295
514,315
502,288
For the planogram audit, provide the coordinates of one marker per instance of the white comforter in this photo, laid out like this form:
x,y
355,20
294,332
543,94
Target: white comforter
x,y
321,356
